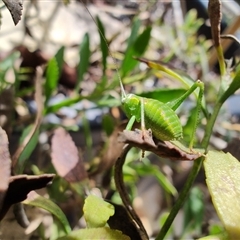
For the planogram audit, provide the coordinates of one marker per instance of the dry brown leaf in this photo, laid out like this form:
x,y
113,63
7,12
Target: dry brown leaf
x,y
5,165
20,186
65,157
161,148
15,7
215,16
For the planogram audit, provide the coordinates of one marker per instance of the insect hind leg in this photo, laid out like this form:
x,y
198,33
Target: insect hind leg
x,y
176,103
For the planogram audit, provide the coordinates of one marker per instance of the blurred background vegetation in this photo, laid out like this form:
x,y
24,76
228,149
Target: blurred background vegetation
x,y
59,44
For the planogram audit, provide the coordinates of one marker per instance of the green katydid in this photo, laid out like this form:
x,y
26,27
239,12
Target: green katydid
x,y
153,114
157,116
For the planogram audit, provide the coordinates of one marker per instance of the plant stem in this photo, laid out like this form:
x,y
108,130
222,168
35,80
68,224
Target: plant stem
x,y
181,199
119,182
210,124
192,176
221,60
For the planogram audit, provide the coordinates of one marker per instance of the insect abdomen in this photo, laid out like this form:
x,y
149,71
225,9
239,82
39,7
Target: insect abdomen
x,y
162,120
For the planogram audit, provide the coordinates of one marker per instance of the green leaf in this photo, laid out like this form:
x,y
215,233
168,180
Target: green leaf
x,y
64,103
133,36
170,73
223,177
164,95
103,44
95,233
185,80
57,230
147,169
97,211
59,56
52,76
134,32
84,55
194,211
137,49
108,124
220,236
38,201
27,151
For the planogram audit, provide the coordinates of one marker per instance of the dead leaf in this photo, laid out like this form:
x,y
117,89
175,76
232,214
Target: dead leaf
x,y
215,16
15,7
65,157
5,165
20,186
165,149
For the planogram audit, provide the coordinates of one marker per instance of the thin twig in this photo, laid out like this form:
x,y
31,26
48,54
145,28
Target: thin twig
x,y
118,177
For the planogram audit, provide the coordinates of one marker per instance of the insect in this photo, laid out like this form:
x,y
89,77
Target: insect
x,y
157,116
153,114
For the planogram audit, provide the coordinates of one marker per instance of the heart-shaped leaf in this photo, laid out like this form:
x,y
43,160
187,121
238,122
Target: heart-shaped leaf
x,y
97,211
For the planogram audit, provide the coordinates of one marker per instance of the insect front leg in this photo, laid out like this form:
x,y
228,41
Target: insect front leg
x,y
143,120
130,123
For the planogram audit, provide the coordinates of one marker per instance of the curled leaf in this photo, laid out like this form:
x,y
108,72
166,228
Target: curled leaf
x,y
215,15
20,186
172,150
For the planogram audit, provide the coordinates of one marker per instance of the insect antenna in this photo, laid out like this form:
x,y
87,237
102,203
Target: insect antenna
x,y
123,93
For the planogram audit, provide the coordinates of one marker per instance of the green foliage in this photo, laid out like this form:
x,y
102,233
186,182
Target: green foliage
x,y
52,76
146,169
103,44
194,211
91,233
222,170
59,56
84,54
97,212
28,149
5,65
137,45
44,203
222,177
